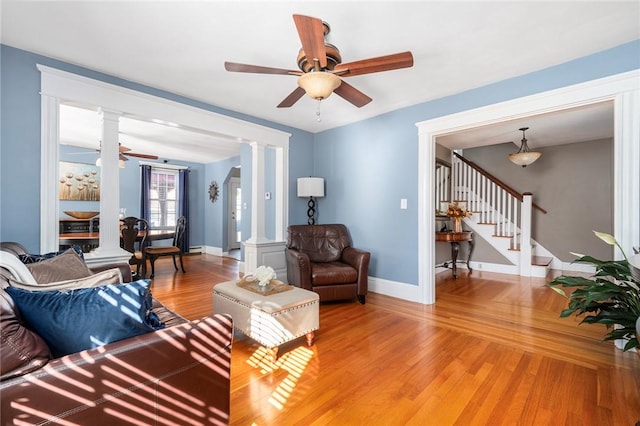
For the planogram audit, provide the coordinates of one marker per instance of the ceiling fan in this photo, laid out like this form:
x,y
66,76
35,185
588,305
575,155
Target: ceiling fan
x,y
123,154
321,66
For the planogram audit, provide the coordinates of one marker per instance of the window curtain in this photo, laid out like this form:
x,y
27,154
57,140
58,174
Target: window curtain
x,y
183,205
145,189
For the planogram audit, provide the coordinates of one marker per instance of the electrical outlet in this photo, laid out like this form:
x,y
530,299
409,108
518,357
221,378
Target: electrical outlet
x,y
267,195
403,203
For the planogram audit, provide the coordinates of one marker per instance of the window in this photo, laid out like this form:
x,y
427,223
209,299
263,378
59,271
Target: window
x,y
163,198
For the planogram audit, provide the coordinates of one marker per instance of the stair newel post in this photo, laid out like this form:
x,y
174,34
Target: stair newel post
x,y
525,235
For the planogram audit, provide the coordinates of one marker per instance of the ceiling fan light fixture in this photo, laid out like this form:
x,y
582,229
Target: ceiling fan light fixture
x,y
120,163
524,156
319,85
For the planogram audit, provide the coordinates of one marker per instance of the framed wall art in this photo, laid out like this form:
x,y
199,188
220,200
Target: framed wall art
x,y
79,182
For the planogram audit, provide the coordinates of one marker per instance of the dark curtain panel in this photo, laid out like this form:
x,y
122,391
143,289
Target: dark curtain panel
x,y
145,187
183,206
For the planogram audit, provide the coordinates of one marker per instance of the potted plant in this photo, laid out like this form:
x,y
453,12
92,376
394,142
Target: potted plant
x,y
610,297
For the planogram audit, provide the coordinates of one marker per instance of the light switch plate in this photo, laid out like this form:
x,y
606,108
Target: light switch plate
x,y
403,203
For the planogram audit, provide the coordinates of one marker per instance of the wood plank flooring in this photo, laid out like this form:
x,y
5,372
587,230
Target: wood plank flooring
x,y
491,351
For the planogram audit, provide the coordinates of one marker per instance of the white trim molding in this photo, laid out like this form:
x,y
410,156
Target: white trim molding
x,y
57,85
623,89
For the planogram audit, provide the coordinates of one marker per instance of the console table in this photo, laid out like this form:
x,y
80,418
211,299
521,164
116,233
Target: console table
x,y
455,238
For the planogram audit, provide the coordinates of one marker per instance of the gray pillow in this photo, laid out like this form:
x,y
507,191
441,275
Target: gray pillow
x,y
67,266
110,276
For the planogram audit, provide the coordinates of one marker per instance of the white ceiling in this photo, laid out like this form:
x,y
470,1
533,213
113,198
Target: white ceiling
x,y
181,47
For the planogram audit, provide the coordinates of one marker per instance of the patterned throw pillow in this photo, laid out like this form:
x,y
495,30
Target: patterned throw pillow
x,y
74,320
35,258
66,266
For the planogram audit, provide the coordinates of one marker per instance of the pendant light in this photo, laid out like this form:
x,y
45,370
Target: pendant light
x,y
524,156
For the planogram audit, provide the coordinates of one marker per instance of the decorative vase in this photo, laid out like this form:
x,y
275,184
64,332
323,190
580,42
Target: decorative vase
x,y
457,224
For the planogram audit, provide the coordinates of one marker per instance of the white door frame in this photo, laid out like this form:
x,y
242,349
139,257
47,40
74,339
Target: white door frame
x,y
234,182
623,89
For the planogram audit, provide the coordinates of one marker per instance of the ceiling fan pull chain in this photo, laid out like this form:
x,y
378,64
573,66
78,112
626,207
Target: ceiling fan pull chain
x,y
319,119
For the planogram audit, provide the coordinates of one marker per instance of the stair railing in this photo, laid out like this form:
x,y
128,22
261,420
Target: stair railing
x,y
495,203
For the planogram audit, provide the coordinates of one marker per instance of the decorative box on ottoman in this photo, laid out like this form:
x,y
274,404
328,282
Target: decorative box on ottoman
x,y
271,316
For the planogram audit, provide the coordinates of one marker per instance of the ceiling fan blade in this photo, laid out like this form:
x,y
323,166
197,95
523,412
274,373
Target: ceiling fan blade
x,y
122,148
379,64
352,94
292,98
148,156
311,32
235,67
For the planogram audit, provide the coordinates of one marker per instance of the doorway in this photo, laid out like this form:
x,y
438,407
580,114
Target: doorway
x,y
234,214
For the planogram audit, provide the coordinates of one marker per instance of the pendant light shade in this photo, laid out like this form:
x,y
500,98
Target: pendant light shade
x,y
524,156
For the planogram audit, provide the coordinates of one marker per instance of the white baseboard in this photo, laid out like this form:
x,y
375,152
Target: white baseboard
x,y
577,267
397,289
493,267
216,251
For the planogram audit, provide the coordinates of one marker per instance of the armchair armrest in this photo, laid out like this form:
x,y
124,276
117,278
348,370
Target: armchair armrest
x,y
298,268
179,375
358,259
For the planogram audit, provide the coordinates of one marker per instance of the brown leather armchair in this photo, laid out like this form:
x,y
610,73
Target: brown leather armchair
x,y
320,258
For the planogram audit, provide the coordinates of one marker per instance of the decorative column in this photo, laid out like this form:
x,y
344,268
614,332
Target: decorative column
x,y
258,250
109,249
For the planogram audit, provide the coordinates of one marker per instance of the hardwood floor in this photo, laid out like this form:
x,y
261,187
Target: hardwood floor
x,y
492,350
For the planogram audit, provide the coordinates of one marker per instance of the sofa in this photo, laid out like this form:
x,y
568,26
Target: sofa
x,y
177,374
321,258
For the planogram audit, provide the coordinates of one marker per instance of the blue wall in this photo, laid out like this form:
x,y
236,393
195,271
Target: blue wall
x,y
368,166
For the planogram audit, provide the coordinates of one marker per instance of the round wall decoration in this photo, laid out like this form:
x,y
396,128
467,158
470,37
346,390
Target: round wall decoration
x,y
214,191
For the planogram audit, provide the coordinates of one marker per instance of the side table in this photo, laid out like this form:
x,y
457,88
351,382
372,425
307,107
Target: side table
x,y
455,238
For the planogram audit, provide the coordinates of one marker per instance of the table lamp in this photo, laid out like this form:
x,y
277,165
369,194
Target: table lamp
x,y
311,187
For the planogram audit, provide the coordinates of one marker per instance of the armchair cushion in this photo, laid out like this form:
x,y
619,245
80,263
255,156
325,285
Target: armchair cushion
x,y
75,320
332,273
322,243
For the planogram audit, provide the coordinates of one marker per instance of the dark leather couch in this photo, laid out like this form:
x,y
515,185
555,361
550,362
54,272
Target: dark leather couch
x,y
177,375
320,258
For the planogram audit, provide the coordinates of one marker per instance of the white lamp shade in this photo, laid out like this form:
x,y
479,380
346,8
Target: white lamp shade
x,y
319,85
120,163
524,158
310,187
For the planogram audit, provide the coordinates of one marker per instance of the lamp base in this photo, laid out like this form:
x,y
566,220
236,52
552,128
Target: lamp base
x,y
312,211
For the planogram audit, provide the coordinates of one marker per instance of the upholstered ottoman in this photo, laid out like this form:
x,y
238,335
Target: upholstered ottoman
x,y
270,319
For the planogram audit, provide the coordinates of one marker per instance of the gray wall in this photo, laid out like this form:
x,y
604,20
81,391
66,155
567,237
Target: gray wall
x,y
573,182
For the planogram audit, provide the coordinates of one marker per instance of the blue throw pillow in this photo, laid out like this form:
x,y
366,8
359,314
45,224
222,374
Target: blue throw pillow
x,y
74,320
35,258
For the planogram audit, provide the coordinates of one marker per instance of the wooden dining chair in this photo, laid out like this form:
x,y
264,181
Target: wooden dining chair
x,y
154,252
133,236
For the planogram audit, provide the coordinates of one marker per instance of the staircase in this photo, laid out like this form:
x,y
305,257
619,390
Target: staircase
x,y
501,216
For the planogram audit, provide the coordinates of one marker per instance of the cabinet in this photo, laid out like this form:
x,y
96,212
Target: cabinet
x,y
79,232
79,226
